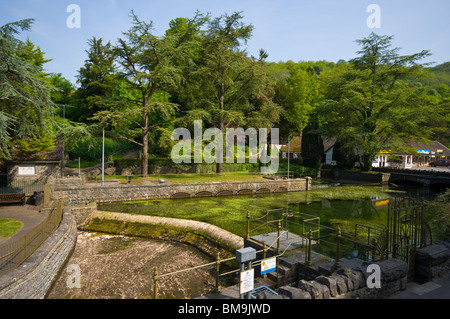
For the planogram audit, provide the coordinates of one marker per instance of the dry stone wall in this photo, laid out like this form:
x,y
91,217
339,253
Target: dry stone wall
x,y
76,194
33,278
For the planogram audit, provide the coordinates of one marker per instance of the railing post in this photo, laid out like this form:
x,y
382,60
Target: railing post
x,y
308,261
264,255
155,282
248,224
337,263
374,247
278,238
217,271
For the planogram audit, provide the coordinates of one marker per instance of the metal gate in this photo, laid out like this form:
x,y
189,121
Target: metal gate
x,y
407,229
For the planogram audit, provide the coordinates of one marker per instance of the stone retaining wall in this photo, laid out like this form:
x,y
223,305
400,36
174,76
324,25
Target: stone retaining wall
x,y
35,276
350,283
80,194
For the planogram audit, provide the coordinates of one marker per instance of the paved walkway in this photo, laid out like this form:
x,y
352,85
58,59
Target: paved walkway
x,y
439,288
29,215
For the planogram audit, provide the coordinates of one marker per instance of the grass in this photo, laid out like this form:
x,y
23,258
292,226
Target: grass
x,y
83,164
9,227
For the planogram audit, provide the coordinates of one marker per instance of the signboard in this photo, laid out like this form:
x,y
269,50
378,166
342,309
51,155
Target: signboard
x,y
26,170
423,151
247,279
268,265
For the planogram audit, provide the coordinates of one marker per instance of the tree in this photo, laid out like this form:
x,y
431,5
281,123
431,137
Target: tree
x,y
230,88
97,79
372,105
303,97
149,64
26,108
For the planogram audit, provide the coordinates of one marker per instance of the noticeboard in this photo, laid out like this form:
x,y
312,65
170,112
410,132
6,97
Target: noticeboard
x,y
247,281
268,265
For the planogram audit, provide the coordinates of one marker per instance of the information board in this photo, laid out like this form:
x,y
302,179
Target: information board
x,y
268,265
247,281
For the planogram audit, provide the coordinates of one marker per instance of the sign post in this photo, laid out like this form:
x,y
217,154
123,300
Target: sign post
x,y
245,256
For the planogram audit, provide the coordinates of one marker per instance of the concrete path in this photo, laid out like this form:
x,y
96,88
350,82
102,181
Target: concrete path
x,y
29,215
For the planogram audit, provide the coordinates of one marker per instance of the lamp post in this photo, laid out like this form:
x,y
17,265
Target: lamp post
x,y
289,152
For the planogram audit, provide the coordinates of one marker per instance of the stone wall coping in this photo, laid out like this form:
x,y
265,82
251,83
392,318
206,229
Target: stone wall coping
x,y
234,241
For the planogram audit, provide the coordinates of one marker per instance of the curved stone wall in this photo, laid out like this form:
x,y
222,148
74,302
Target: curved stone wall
x,y
33,278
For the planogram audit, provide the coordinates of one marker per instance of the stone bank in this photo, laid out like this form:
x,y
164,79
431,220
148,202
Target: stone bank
x,y
75,192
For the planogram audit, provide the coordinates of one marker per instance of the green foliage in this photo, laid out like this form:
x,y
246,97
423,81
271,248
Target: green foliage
x,y
26,108
303,97
372,104
439,212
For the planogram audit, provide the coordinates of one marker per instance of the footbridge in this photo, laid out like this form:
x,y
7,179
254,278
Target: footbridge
x,y
426,178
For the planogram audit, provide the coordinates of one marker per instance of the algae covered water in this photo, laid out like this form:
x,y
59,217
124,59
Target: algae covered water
x,y
335,206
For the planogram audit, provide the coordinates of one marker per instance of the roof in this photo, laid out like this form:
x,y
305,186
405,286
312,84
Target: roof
x,y
430,148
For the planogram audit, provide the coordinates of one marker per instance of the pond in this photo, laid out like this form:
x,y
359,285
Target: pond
x,y
339,206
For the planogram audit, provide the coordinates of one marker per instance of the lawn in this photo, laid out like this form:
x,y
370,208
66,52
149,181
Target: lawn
x,y
9,227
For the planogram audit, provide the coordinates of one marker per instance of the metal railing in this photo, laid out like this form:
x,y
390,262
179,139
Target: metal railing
x,y
217,264
15,253
313,232
23,185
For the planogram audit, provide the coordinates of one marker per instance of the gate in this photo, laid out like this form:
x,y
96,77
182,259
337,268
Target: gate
x,y
407,229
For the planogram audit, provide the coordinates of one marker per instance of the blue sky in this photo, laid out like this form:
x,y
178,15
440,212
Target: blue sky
x,y
297,30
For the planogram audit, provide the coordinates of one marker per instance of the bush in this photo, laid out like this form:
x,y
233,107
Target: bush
x,y
439,210
155,163
300,171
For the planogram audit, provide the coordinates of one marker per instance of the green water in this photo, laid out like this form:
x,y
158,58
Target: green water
x,y
335,206
343,207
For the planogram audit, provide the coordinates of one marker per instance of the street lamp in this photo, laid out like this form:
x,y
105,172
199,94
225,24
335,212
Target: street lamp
x,y
289,152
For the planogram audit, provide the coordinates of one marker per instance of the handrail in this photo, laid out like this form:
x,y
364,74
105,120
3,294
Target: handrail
x,y
15,253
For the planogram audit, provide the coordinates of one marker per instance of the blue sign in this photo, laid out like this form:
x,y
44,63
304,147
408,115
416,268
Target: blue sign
x,y
423,151
268,265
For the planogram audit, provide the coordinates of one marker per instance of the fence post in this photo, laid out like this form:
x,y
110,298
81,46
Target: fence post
x,y
374,247
308,261
248,224
278,238
264,255
217,271
337,263
155,281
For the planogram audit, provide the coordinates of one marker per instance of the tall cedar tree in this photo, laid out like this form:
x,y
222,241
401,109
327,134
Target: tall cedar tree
x,y
373,105
150,64
26,108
